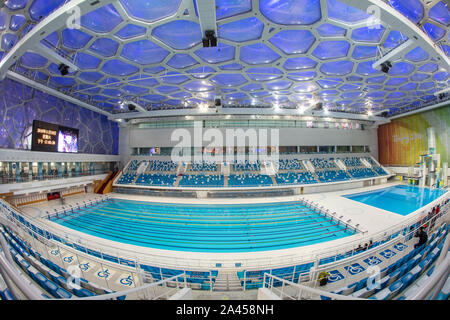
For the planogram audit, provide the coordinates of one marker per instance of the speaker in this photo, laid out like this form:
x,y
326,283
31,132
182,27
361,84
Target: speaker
x,y
384,114
218,102
131,107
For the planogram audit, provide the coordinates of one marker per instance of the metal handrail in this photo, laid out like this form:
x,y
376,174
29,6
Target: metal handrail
x,y
438,277
302,288
282,261
137,289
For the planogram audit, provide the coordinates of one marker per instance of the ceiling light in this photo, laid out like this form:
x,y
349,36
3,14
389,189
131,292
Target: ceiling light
x,y
369,113
203,107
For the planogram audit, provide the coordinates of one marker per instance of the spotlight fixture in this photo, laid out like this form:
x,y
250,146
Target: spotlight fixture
x,y
210,40
385,66
64,69
318,106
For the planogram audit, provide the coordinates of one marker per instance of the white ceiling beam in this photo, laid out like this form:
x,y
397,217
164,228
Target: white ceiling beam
x,y
207,15
52,55
138,106
67,15
31,83
246,111
394,54
399,22
434,106
442,91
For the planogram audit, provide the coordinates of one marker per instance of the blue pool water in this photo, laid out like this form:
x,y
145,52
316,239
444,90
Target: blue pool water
x,y
399,199
205,228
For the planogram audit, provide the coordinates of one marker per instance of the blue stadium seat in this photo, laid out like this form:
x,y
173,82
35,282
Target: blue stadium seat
x,y
62,293
51,287
445,291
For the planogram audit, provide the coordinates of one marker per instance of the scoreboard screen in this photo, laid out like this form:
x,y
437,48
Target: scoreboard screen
x,y
49,137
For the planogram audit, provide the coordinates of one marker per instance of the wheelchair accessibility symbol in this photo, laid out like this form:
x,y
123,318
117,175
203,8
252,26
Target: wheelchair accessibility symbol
x,y
84,266
68,259
54,252
128,281
104,274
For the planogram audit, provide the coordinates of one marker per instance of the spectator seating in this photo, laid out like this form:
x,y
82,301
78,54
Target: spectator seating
x,y
320,163
295,178
246,166
203,166
249,180
290,164
361,173
149,179
127,178
200,180
157,165
352,162
332,175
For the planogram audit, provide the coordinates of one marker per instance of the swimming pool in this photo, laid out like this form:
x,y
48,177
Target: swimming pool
x,y
400,199
205,228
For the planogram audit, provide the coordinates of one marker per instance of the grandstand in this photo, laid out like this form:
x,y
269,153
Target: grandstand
x,y
224,150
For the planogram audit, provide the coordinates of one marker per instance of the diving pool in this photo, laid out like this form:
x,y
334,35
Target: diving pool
x,y
205,228
400,199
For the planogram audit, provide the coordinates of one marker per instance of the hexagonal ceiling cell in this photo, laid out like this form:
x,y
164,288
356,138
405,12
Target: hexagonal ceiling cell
x,y
101,20
264,73
364,52
258,53
291,12
173,77
219,54
241,30
130,31
86,61
302,76
170,34
40,9
412,9
119,68
150,11
293,41
337,68
181,61
368,34
341,12
74,39
230,8
330,30
417,54
299,63
144,52
229,79
17,21
33,60
104,47
331,50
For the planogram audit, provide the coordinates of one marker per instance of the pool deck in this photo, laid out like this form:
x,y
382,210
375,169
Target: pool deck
x,y
369,218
